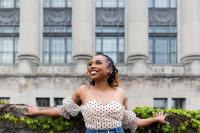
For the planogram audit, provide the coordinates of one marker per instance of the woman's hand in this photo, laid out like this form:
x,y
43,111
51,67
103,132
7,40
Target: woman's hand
x,y
160,117
31,110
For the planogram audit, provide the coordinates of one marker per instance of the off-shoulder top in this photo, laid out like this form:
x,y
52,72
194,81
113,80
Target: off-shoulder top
x,y
99,116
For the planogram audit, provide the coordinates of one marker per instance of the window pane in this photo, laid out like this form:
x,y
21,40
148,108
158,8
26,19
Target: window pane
x,y
58,45
161,3
173,3
58,58
150,3
69,57
120,57
160,103
7,3
69,44
46,3
161,44
109,44
46,58
173,58
121,44
98,44
113,56
58,3
178,103
69,3
58,101
109,3
98,3
151,45
150,58
46,45
42,102
121,3
161,58
6,58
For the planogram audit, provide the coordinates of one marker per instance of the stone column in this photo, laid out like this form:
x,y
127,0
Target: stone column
x,y
82,33
137,34
190,31
82,29
29,42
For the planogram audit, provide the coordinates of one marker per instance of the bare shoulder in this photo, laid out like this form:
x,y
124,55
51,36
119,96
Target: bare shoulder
x,y
82,90
121,91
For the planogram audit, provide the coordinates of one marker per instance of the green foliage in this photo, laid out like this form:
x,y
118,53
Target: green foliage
x,y
180,120
45,123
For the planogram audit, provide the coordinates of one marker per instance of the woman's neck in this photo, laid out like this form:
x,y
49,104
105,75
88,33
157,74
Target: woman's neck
x,y
102,85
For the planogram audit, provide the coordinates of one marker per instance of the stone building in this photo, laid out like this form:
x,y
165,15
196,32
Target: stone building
x,y
45,46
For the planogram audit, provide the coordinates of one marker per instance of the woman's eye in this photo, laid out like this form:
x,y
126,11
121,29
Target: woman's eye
x,y
89,64
98,62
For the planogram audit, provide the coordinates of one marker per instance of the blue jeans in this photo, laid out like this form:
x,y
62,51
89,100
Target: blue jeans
x,y
113,130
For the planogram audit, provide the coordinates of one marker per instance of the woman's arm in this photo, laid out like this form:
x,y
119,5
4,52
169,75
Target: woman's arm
x,y
33,110
159,118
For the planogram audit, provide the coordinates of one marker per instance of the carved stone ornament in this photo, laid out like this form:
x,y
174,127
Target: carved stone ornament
x,y
109,16
57,17
9,17
162,17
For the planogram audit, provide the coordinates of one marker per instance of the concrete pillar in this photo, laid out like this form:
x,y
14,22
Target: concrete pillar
x,y
82,29
82,33
29,42
137,35
190,31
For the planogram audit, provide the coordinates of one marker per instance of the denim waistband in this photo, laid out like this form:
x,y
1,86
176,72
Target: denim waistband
x,y
113,130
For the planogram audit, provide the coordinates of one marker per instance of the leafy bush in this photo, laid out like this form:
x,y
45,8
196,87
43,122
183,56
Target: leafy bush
x,y
181,121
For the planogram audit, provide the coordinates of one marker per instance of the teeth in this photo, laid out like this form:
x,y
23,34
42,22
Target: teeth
x,y
93,72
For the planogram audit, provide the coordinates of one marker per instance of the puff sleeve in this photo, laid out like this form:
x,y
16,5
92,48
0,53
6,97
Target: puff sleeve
x,y
68,108
130,120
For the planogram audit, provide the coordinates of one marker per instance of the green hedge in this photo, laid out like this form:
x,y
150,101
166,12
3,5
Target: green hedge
x,y
181,121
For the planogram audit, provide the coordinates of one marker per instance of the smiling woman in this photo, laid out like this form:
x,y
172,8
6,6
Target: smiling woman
x,y
102,103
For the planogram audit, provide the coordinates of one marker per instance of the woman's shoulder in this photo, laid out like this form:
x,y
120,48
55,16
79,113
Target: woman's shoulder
x,y
82,88
120,90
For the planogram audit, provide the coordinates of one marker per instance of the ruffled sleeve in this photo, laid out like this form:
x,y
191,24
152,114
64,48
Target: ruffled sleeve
x,y
68,108
130,120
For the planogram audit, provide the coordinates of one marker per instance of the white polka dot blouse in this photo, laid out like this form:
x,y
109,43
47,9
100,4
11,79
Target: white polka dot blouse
x,y
99,116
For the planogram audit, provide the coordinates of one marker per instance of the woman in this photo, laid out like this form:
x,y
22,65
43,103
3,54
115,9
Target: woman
x,y
102,104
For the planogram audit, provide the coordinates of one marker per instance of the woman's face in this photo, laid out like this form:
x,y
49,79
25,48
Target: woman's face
x,y
98,68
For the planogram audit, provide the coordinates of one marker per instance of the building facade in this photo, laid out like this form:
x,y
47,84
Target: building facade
x,y
45,46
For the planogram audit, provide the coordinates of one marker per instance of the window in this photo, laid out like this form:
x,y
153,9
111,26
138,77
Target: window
x,y
57,50
58,101
4,100
57,3
9,31
8,50
57,41
160,103
111,46
162,46
162,4
109,3
42,102
178,103
9,3
110,29
162,50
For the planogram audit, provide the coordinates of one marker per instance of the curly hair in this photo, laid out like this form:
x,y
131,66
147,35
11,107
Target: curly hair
x,y
113,78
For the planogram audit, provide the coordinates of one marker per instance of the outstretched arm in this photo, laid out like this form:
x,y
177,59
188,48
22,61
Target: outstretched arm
x,y
33,110
159,118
